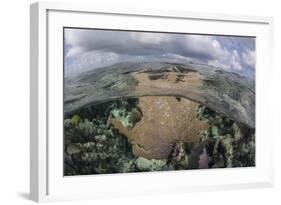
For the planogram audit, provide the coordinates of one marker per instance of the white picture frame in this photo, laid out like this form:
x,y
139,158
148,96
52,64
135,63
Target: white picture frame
x,y
47,182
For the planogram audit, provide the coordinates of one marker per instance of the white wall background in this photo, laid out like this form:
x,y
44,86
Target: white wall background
x,y
14,101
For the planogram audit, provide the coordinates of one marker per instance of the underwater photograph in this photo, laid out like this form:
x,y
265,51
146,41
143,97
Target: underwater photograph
x,y
142,101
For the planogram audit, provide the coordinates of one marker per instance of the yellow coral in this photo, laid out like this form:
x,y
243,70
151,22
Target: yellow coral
x,y
75,120
166,120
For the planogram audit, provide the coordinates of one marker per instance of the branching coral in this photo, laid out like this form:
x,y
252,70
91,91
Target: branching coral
x,y
166,120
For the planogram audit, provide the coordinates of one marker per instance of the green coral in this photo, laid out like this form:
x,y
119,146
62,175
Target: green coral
x,y
87,127
98,153
215,131
144,164
75,119
128,117
205,114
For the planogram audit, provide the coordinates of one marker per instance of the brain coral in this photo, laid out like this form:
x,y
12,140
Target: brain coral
x,y
166,121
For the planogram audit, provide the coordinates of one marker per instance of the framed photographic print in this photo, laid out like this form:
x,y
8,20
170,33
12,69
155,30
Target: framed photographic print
x,y
127,101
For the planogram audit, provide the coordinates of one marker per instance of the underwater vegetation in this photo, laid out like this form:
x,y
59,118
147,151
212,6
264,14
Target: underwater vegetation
x,y
153,133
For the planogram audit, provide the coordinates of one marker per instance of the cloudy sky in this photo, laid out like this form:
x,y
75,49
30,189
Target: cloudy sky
x,y
87,49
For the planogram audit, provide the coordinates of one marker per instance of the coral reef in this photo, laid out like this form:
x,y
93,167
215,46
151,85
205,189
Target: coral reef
x,y
153,133
165,121
229,144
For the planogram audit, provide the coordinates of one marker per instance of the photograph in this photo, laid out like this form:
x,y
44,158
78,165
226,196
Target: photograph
x,y
145,101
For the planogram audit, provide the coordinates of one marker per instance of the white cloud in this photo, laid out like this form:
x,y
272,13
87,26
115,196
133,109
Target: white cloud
x,y
147,38
89,49
140,43
249,58
230,61
235,61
